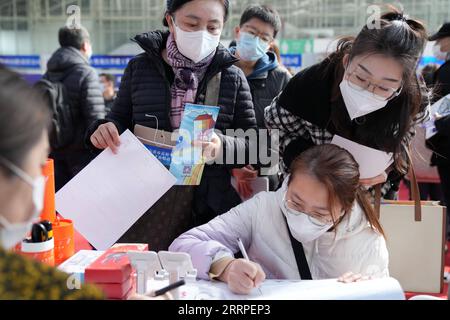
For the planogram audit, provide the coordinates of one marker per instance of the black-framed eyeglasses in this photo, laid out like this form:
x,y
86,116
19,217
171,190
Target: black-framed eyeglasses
x,y
358,80
255,33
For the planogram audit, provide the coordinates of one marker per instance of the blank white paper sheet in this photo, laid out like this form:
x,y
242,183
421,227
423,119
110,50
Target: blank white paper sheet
x,y
371,162
108,196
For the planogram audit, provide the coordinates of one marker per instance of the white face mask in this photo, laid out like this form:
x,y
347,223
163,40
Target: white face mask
x,y
303,227
12,233
359,103
89,52
196,45
102,87
437,52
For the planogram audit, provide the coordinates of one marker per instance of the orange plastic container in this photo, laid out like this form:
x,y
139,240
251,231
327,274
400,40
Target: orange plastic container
x,y
63,231
43,252
49,211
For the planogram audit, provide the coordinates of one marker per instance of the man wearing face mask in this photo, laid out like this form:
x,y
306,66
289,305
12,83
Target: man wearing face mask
x,y
440,143
441,51
108,82
256,33
70,66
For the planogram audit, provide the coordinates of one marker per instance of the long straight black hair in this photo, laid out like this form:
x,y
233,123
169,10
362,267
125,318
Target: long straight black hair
x,y
402,39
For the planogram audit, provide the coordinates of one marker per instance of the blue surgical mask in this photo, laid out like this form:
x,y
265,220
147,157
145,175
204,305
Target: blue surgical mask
x,y
250,47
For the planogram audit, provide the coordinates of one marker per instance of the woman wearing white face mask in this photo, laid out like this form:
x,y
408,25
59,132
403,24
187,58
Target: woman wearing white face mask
x,y
177,67
24,149
320,211
23,152
366,91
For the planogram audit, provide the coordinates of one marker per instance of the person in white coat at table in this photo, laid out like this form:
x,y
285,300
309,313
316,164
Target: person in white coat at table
x,y
319,225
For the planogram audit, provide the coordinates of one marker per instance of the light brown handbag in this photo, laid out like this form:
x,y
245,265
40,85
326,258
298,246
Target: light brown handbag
x,y
415,233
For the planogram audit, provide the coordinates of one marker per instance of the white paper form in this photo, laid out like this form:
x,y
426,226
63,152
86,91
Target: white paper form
x,y
442,108
108,196
379,289
371,162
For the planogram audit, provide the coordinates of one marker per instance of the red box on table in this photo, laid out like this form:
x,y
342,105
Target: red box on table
x,y
112,271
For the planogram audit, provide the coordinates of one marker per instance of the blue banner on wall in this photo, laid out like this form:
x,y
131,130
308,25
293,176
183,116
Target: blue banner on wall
x,y
110,62
21,62
292,60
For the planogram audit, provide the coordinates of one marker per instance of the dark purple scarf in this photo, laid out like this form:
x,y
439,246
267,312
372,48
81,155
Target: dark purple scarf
x,y
188,75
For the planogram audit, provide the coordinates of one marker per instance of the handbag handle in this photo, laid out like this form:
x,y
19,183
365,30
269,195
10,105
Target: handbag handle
x,y
414,191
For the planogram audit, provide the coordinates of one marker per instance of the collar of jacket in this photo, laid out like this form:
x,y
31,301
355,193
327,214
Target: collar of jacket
x,y
153,43
308,94
63,60
263,66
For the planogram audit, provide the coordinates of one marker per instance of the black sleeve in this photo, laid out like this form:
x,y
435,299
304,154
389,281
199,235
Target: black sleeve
x,y
294,149
443,126
442,81
245,119
121,112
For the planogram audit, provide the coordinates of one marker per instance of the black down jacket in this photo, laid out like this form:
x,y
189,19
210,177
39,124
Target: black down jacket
x,y
145,90
82,84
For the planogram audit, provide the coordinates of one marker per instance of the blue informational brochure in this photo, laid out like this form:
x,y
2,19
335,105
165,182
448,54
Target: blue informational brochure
x,y
198,124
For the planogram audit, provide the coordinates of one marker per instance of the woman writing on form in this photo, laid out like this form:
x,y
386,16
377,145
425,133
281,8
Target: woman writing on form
x,y
319,225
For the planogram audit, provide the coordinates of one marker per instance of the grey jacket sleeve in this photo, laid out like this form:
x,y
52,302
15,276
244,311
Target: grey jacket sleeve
x,y
92,104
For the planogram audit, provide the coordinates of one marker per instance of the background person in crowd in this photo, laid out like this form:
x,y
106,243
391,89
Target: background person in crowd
x,y
441,51
366,91
70,66
440,143
428,73
429,186
175,69
255,36
321,210
108,84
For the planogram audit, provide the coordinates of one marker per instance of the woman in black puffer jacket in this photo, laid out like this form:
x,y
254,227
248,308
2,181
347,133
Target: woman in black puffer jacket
x,y
147,91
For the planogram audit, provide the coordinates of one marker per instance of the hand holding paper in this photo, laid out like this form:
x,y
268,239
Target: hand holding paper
x,y
106,136
114,191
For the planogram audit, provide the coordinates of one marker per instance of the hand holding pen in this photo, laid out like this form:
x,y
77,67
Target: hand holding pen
x,y
242,275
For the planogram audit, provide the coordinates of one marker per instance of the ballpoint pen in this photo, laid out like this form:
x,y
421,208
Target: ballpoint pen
x,y
245,255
